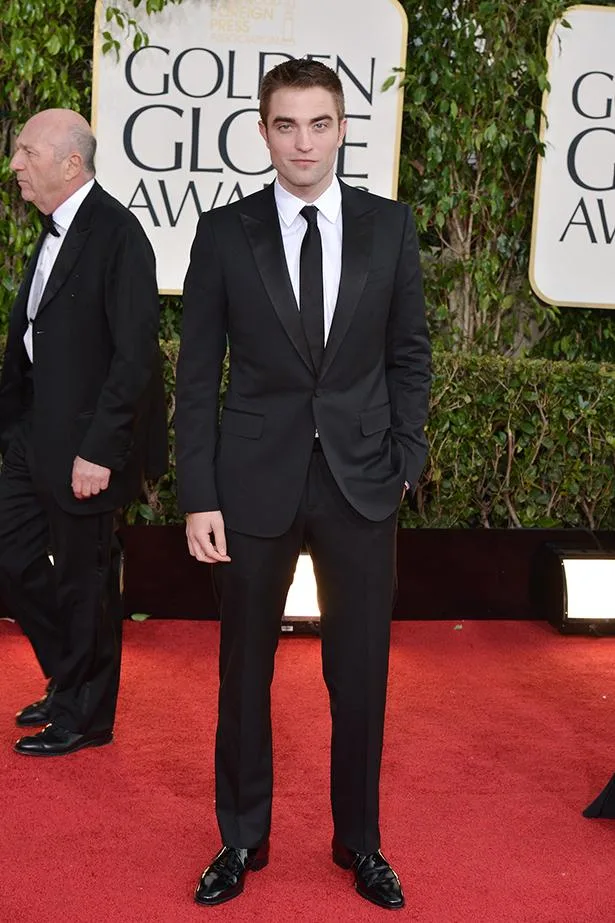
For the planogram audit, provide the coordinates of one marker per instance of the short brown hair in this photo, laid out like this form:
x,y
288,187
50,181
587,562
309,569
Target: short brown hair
x,y
301,74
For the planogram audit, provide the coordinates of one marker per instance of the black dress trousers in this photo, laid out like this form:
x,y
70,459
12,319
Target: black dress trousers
x,y
70,610
354,562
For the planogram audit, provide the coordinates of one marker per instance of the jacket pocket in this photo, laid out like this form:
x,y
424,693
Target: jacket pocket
x,y
376,420
240,423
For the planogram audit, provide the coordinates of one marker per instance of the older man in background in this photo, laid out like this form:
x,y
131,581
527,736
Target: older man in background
x,y
82,421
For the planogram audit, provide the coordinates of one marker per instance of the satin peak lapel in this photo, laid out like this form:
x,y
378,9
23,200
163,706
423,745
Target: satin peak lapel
x,y
65,260
72,246
266,241
356,255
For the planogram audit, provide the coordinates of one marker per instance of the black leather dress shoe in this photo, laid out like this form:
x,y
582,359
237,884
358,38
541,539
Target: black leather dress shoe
x,y
54,740
223,879
375,880
39,712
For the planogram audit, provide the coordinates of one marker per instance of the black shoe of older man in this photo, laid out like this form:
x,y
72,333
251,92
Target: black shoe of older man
x,y
39,712
375,880
224,878
54,740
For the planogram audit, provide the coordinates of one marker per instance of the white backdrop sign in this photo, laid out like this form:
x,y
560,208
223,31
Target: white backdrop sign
x,y
572,259
176,121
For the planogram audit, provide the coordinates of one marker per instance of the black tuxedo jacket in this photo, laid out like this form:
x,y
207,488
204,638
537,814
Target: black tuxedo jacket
x,y
368,400
98,389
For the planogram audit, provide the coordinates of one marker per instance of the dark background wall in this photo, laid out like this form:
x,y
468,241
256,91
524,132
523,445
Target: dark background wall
x,y
442,573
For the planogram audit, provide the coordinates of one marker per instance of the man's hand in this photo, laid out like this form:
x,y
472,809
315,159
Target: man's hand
x,y
199,530
88,479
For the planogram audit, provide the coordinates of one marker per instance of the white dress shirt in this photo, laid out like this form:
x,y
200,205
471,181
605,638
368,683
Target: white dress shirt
x,y
62,218
293,226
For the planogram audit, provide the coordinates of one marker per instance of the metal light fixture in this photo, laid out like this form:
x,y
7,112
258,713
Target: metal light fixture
x,y
301,612
576,590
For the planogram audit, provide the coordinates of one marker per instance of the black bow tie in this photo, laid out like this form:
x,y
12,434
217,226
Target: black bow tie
x,y
49,225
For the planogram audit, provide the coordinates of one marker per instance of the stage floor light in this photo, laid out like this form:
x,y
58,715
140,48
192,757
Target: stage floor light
x,y
578,590
301,612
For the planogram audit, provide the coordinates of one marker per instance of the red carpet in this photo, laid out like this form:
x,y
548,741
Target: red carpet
x,y
498,735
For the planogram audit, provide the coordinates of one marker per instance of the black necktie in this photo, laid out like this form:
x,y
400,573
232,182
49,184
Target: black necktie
x,y
311,299
49,225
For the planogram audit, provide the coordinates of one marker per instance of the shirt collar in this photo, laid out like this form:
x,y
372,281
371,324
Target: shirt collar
x,y
64,213
329,202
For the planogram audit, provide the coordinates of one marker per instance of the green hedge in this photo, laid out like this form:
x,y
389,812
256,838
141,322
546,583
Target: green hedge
x,y
514,442
523,442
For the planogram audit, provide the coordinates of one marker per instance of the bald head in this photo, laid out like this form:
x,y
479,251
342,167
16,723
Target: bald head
x,y
54,156
67,132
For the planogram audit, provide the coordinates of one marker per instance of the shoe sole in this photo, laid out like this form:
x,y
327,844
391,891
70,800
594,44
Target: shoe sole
x,y
255,867
378,903
100,742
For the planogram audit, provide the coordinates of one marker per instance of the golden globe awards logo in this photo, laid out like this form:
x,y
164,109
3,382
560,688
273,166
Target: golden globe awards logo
x,y
591,156
574,211
176,120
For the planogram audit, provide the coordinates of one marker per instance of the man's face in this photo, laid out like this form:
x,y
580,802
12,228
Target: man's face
x,y
303,134
41,177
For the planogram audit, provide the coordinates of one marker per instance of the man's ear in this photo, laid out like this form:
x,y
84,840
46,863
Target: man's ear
x,y
263,130
74,166
342,134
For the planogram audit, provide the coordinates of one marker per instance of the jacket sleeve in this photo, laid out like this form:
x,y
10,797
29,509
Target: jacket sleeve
x,y
199,372
10,399
409,355
132,307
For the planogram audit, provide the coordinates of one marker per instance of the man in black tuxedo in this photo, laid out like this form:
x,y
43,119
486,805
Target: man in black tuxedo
x,y
316,286
82,420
